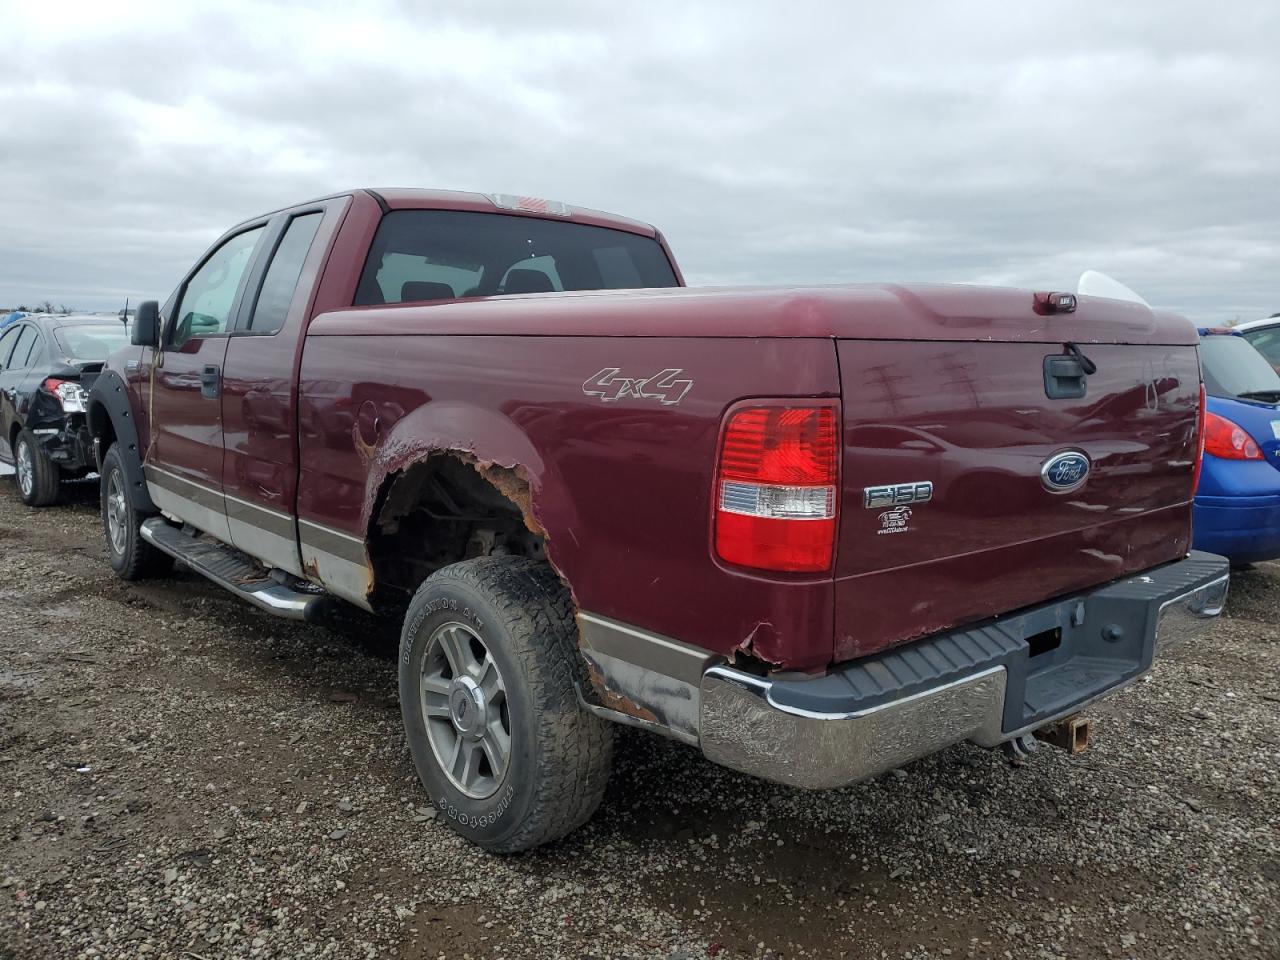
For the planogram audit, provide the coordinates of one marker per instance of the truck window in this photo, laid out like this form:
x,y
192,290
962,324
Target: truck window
x,y
205,307
282,276
420,255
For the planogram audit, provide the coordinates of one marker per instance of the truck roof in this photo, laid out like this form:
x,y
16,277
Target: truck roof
x,y
419,198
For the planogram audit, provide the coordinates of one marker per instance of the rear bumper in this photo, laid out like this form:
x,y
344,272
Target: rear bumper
x,y
986,684
1244,529
67,444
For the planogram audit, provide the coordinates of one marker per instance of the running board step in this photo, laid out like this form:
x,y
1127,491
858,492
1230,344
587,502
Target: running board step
x,y
230,569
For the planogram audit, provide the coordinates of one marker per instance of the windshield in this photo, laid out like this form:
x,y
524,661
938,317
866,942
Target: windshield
x,y
1233,368
92,342
422,255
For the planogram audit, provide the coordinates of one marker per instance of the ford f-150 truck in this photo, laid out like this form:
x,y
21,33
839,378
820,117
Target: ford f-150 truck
x,y
816,532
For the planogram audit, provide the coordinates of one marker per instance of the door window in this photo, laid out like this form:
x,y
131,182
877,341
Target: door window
x,y
205,307
6,345
27,348
272,308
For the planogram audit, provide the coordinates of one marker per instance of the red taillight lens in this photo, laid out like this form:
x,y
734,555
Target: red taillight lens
x,y
1228,440
1195,474
71,395
776,488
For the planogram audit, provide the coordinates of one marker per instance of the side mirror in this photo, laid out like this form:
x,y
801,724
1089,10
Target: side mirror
x,y
146,324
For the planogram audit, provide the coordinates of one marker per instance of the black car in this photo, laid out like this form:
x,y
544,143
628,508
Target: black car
x,y
47,364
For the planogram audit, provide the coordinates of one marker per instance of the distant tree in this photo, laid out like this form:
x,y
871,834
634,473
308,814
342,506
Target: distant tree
x,y
64,309
45,307
1277,314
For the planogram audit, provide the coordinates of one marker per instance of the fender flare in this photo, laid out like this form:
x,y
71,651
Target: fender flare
x,y
109,406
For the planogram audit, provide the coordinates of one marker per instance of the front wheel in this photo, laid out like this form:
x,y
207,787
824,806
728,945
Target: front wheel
x,y
132,558
488,664
35,474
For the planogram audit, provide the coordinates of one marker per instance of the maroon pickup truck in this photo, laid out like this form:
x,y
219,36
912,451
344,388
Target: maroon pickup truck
x,y
816,532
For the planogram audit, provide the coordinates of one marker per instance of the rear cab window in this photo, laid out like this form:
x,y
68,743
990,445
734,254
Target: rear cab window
x,y
424,255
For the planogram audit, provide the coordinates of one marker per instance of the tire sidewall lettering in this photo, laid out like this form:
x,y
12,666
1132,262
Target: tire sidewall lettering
x,y
450,810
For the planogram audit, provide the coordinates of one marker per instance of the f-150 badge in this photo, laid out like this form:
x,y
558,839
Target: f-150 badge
x,y
663,386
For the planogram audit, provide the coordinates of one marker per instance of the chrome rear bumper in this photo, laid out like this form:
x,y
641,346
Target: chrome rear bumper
x,y
761,726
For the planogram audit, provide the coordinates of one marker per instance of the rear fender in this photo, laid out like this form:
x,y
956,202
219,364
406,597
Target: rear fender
x,y
499,450
110,416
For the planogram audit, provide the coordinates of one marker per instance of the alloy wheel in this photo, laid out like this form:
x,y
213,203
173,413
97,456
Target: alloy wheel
x,y
464,706
26,468
117,513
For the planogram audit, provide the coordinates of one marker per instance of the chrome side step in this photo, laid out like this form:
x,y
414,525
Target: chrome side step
x,y
232,570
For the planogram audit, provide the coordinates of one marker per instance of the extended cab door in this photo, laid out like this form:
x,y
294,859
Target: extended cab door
x,y
184,460
259,402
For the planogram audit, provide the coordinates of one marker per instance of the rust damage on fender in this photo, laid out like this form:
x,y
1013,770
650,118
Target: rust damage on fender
x,y
513,483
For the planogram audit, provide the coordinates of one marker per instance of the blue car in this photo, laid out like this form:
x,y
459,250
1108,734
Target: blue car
x,y
1237,512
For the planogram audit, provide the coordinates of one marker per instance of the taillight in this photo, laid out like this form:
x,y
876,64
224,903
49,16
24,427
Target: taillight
x,y
71,395
1228,440
1195,474
776,488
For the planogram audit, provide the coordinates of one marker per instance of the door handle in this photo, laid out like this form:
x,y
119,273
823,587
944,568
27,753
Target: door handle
x,y
211,381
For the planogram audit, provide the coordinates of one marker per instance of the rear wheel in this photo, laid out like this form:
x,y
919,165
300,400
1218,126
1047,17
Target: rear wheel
x,y
36,475
132,558
488,664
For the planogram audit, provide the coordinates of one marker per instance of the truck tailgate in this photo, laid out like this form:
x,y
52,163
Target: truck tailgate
x,y
974,419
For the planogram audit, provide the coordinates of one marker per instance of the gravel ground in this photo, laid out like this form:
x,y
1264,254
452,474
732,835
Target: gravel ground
x,y
186,777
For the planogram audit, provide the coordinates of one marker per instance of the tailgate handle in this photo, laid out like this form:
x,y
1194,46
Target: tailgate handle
x,y
1065,377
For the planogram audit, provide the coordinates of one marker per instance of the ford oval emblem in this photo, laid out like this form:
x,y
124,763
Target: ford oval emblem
x,y
1065,471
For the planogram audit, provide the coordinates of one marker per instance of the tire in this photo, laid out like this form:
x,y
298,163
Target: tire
x,y
35,475
132,558
513,615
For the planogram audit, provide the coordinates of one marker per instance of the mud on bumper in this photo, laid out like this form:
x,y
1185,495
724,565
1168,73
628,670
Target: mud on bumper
x,y
987,683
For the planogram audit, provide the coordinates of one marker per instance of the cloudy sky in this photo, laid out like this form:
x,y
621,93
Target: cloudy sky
x,y
1011,143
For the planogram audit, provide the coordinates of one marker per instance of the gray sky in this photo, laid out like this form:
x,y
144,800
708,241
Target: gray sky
x,y
1012,143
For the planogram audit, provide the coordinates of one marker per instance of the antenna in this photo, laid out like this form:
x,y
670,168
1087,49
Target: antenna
x,y
124,314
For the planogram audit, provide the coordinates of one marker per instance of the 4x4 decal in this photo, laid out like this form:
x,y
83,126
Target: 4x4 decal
x,y
662,386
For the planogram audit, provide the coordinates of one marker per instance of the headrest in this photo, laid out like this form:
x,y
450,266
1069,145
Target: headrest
x,y
425,290
528,281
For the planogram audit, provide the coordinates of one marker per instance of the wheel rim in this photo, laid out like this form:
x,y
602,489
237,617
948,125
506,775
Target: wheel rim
x,y
26,468
117,513
464,705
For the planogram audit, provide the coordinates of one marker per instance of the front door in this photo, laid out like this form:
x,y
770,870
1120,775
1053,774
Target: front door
x,y
184,460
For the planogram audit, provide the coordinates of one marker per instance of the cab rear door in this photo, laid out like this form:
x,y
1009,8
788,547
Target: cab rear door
x,y
259,399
